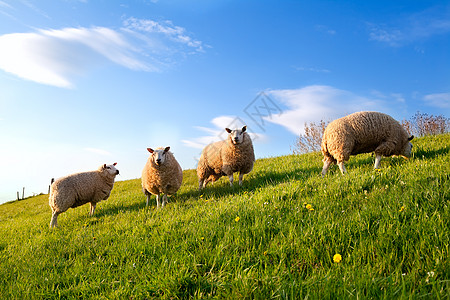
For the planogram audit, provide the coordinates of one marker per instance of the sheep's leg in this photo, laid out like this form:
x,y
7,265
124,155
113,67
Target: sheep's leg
x,y
377,161
326,165
54,220
157,201
342,167
92,208
200,184
164,200
241,177
148,198
231,179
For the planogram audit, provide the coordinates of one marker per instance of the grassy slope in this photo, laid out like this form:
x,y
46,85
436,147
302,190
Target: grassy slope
x,y
390,226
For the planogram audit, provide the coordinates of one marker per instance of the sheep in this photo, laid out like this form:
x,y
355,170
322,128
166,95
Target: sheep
x,y
363,132
234,154
162,174
81,188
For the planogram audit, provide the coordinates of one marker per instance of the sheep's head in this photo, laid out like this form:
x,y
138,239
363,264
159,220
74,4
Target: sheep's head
x,y
158,155
236,136
408,147
110,169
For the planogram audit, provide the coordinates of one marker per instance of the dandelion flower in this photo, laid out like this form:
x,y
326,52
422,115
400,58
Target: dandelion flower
x,y
337,258
237,219
309,207
402,209
265,253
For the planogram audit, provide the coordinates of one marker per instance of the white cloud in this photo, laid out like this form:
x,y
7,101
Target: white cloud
x,y
318,102
53,57
441,100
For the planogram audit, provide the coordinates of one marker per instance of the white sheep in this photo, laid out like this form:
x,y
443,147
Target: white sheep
x,y
363,132
78,189
162,174
234,154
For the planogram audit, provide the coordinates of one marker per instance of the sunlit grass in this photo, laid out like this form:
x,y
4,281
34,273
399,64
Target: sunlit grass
x,y
277,236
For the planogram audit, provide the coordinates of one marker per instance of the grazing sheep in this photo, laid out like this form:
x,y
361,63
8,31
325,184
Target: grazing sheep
x,y
162,174
363,132
235,154
78,189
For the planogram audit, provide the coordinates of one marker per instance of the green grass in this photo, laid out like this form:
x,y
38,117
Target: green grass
x,y
390,226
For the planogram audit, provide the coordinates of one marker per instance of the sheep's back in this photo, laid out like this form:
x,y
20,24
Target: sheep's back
x,y
77,189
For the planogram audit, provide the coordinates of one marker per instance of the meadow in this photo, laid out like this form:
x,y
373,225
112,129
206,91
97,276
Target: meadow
x,y
275,237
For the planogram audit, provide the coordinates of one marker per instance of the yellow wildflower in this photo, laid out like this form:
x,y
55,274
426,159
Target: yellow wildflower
x,y
309,207
402,209
237,219
337,258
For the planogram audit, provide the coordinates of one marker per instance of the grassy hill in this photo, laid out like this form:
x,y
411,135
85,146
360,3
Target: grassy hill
x,y
274,237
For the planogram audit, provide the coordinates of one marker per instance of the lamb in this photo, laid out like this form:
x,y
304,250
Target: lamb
x,y
363,132
81,188
234,154
162,174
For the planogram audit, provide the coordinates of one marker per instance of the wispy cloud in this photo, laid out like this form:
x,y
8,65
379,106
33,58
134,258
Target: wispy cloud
x,y
441,100
54,56
325,29
319,102
166,28
217,132
4,4
98,151
310,69
419,26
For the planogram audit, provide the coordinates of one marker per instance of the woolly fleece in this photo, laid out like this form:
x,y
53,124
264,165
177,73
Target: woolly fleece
x,y
162,179
364,132
78,189
225,158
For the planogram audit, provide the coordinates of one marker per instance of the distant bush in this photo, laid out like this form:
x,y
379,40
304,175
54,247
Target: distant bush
x,y
312,139
421,124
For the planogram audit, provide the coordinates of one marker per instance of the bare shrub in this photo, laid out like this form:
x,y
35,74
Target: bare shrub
x,y
409,126
422,124
311,140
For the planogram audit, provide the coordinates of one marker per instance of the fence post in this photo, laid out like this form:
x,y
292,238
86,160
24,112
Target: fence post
x,y
18,196
23,193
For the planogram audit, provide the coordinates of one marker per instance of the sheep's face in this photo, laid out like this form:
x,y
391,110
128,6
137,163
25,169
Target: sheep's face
x,y
408,147
236,136
159,155
110,169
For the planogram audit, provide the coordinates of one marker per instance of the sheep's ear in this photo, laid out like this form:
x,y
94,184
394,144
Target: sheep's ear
x,y
150,150
114,164
104,166
244,128
166,149
228,130
410,138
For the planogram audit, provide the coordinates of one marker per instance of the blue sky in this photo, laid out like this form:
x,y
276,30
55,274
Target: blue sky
x,y
84,83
